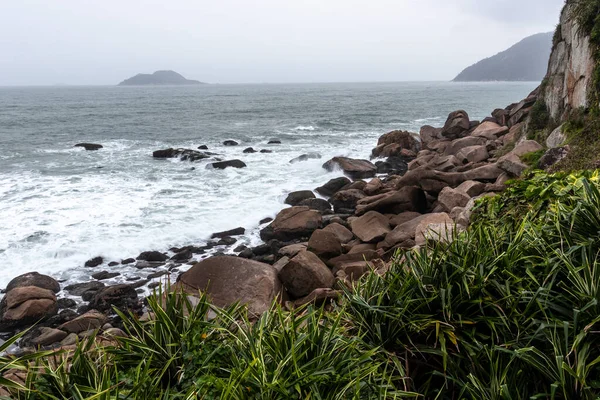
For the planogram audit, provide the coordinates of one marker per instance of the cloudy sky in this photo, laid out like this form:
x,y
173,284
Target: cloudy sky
x,y
45,42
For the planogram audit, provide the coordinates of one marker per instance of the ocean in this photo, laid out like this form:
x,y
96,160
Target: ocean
x,y
60,205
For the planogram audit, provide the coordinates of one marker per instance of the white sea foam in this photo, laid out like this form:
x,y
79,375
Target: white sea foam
x,y
304,128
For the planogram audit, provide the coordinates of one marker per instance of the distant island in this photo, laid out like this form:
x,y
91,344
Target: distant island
x,y
159,78
525,61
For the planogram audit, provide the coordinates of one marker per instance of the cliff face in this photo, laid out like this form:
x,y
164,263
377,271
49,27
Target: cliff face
x,y
570,69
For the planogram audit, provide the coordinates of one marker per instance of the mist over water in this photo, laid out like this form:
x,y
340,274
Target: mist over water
x,y
61,206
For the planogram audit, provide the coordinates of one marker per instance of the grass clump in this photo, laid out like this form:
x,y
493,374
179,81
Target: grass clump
x,y
508,310
581,129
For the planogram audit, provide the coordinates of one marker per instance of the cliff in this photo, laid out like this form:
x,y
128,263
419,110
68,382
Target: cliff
x,y
525,61
568,82
159,78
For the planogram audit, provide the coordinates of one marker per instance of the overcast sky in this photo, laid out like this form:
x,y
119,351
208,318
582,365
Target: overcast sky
x,y
45,42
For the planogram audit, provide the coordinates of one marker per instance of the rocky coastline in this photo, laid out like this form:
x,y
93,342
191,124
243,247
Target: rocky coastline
x,y
414,189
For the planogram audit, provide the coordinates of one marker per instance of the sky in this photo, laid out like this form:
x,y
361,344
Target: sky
x,y
102,42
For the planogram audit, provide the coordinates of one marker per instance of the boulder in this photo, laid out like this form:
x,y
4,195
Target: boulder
x,y
343,234
291,250
94,262
362,247
490,130
501,116
433,223
292,223
471,188
265,151
373,187
428,134
459,144
442,232
407,198
355,169
230,143
48,336
392,143
358,256
489,172
371,227
34,279
325,244
450,198
89,146
403,218
274,141
333,186
305,157
456,125
226,164
105,275
526,147
553,156
231,232
512,164
557,138
91,320
323,206
25,305
407,230
305,273
203,147
249,150
296,197
228,280
78,289
123,297
346,200
183,154
473,154
152,256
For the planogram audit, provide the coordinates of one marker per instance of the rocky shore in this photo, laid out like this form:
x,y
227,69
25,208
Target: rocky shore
x,y
415,188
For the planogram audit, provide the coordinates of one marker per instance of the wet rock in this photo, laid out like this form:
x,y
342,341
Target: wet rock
x,y
203,147
333,186
152,256
305,157
66,303
94,262
123,297
265,220
78,289
105,275
230,143
346,200
320,205
274,141
157,274
226,164
89,146
292,223
371,227
227,241
228,280
305,273
355,169
296,197
139,283
266,151
325,244
113,264
249,150
34,279
183,255
128,261
183,154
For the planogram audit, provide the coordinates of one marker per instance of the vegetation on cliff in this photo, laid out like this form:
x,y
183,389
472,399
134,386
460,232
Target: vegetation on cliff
x,y
509,310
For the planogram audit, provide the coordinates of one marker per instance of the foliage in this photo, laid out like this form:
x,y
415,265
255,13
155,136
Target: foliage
x,y
581,129
509,310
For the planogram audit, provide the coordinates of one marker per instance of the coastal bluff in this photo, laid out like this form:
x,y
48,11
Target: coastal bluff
x,y
159,78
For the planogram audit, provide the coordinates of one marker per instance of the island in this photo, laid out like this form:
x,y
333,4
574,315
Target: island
x,y
525,61
159,78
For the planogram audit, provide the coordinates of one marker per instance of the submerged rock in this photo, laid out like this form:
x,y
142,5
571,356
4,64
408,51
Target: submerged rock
x,y
226,164
183,154
89,146
355,169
